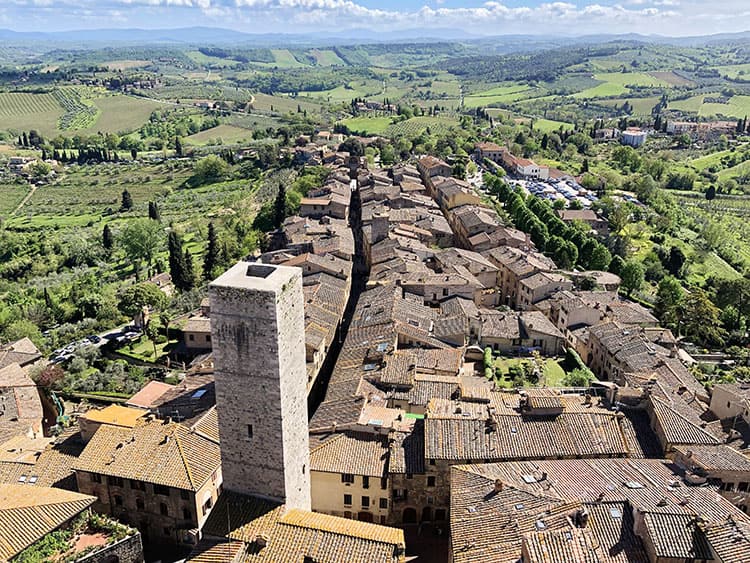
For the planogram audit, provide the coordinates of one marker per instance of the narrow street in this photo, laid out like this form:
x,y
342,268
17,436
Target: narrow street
x,y
360,272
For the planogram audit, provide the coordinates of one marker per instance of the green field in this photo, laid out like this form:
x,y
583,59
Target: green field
x,y
548,125
285,59
498,95
283,104
737,107
735,71
552,373
24,111
326,57
641,106
357,89
367,125
10,196
222,134
616,83
417,125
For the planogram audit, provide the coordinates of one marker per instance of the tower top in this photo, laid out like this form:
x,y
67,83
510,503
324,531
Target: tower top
x,y
256,276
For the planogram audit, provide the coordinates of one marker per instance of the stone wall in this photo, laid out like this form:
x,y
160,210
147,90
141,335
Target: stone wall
x,y
258,334
127,550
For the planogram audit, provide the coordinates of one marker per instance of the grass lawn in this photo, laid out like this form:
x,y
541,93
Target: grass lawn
x,y
143,350
552,372
548,125
367,125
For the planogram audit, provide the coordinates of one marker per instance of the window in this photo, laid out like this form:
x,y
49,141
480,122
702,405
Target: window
x,y
139,504
249,431
383,503
191,337
382,519
365,482
347,478
163,509
431,481
347,500
184,495
137,485
96,478
161,490
186,514
365,502
207,506
432,462
115,481
118,500
347,514
384,483
409,476
208,338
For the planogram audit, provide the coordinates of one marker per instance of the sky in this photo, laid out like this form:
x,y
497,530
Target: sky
x,y
484,17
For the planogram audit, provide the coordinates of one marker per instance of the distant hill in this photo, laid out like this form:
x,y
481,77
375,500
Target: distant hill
x,y
219,36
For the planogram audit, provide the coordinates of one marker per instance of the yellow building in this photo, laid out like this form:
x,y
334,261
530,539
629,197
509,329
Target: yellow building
x,y
113,415
349,477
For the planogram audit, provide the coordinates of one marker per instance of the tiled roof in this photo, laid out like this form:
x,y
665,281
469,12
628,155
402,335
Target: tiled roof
x,y
357,453
29,513
148,394
677,536
21,352
115,415
164,453
208,425
407,450
290,536
719,457
559,546
677,428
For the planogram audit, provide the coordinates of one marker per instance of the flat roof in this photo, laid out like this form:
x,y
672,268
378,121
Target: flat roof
x,y
115,415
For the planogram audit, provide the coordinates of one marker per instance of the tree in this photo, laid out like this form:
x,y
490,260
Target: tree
x,y
710,192
127,201
353,146
701,319
189,272
279,207
108,239
178,146
39,170
683,141
210,168
669,297
579,377
211,258
600,258
616,265
676,261
152,333
177,267
153,211
632,275
133,299
134,153
141,240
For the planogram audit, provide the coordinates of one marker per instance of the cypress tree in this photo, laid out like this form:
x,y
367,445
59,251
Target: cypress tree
x,y
108,239
279,207
127,199
189,272
177,267
178,146
211,259
153,211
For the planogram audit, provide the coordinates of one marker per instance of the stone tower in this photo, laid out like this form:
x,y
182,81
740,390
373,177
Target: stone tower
x,y
258,338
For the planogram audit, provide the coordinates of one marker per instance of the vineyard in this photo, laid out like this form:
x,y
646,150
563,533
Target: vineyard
x,y
80,112
26,103
417,125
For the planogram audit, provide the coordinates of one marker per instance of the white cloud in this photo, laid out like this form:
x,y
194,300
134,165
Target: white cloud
x,y
677,17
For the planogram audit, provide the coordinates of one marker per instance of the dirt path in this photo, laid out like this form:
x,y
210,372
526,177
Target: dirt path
x,y
25,199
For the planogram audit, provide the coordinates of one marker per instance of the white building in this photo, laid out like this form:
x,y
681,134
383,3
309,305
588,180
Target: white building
x,y
634,137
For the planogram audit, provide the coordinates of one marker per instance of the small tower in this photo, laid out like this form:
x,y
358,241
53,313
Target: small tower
x,y
258,338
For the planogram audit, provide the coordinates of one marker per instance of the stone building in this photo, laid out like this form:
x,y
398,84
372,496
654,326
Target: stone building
x,y
258,327
161,477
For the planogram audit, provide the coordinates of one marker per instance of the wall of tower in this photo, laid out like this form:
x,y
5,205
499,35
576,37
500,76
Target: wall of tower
x,y
258,335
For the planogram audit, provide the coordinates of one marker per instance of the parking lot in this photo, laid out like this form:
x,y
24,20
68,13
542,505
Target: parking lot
x,y
121,335
554,189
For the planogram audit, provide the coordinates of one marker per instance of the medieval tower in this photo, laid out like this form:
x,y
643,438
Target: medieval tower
x,y
258,337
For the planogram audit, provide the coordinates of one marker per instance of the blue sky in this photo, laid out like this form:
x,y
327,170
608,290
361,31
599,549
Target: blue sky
x,y
571,17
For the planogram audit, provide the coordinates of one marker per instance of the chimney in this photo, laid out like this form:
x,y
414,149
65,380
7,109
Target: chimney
x,y
498,486
582,517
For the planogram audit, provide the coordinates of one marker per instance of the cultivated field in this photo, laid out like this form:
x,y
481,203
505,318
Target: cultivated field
x,y
222,134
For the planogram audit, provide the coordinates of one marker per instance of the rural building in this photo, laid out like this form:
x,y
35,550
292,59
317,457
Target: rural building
x,y
634,137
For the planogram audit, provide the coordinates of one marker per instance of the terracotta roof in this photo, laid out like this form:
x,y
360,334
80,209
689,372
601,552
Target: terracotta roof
x,y
275,535
163,453
357,453
208,425
115,415
677,428
148,394
29,513
718,457
21,352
